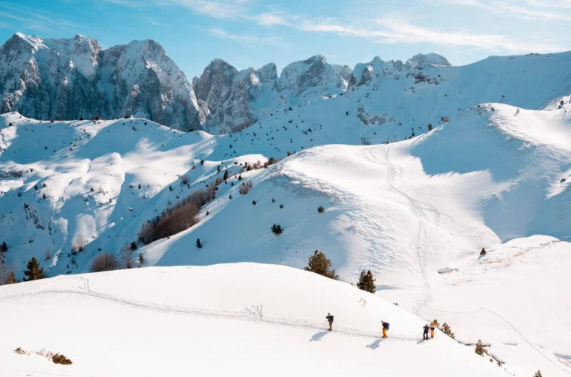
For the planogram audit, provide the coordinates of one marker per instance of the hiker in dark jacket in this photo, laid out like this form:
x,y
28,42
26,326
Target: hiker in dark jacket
x,y
425,334
330,320
385,328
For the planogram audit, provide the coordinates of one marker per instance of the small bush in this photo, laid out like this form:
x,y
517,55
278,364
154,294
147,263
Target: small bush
x,y
538,374
483,252
198,243
480,348
61,359
277,229
447,330
104,262
320,209
270,162
429,127
245,187
254,202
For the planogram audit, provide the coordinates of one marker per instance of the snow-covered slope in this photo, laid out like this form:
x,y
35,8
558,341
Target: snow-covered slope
x,y
104,180
409,211
252,320
73,78
512,298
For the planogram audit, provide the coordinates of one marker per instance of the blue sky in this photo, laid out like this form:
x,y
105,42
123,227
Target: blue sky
x,y
255,32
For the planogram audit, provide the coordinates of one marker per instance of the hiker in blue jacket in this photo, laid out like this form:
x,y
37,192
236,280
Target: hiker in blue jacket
x,y
425,335
330,320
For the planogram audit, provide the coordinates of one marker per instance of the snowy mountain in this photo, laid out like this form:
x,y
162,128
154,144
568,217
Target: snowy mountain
x,y
239,98
389,100
73,78
252,319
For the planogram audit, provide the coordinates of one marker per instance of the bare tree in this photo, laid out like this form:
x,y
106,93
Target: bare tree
x,y
104,262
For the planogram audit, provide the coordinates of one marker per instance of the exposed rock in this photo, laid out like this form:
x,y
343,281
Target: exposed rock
x,y
73,78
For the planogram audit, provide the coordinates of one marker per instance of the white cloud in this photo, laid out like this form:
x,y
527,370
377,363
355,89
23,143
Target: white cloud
x,y
125,3
270,19
152,21
401,32
224,9
537,10
391,30
250,41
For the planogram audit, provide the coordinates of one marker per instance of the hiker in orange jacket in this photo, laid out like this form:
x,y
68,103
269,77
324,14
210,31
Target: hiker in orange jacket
x,y
432,326
385,328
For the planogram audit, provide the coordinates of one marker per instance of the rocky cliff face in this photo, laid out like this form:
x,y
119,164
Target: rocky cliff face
x,y
73,78
366,72
237,98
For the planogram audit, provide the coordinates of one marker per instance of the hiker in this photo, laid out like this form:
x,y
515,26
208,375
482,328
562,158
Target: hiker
x,y
385,328
425,334
432,327
330,320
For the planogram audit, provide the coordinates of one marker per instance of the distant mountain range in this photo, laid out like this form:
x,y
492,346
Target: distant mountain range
x,y
66,79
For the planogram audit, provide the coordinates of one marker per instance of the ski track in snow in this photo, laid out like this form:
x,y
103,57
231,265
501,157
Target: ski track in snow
x,y
509,324
254,313
418,208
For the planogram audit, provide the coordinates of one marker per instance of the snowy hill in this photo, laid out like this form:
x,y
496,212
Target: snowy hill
x,y
253,319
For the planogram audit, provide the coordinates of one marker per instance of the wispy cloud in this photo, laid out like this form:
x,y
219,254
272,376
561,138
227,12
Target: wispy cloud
x,y
224,9
125,3
28,18
385,30
152,21
250,41
537,10
402,32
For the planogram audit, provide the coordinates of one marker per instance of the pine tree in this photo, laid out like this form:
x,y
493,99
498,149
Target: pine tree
x,y
226,175
198,243
12,278
538,374
33,271
321,265
480,348
366,281
133,246
4,247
